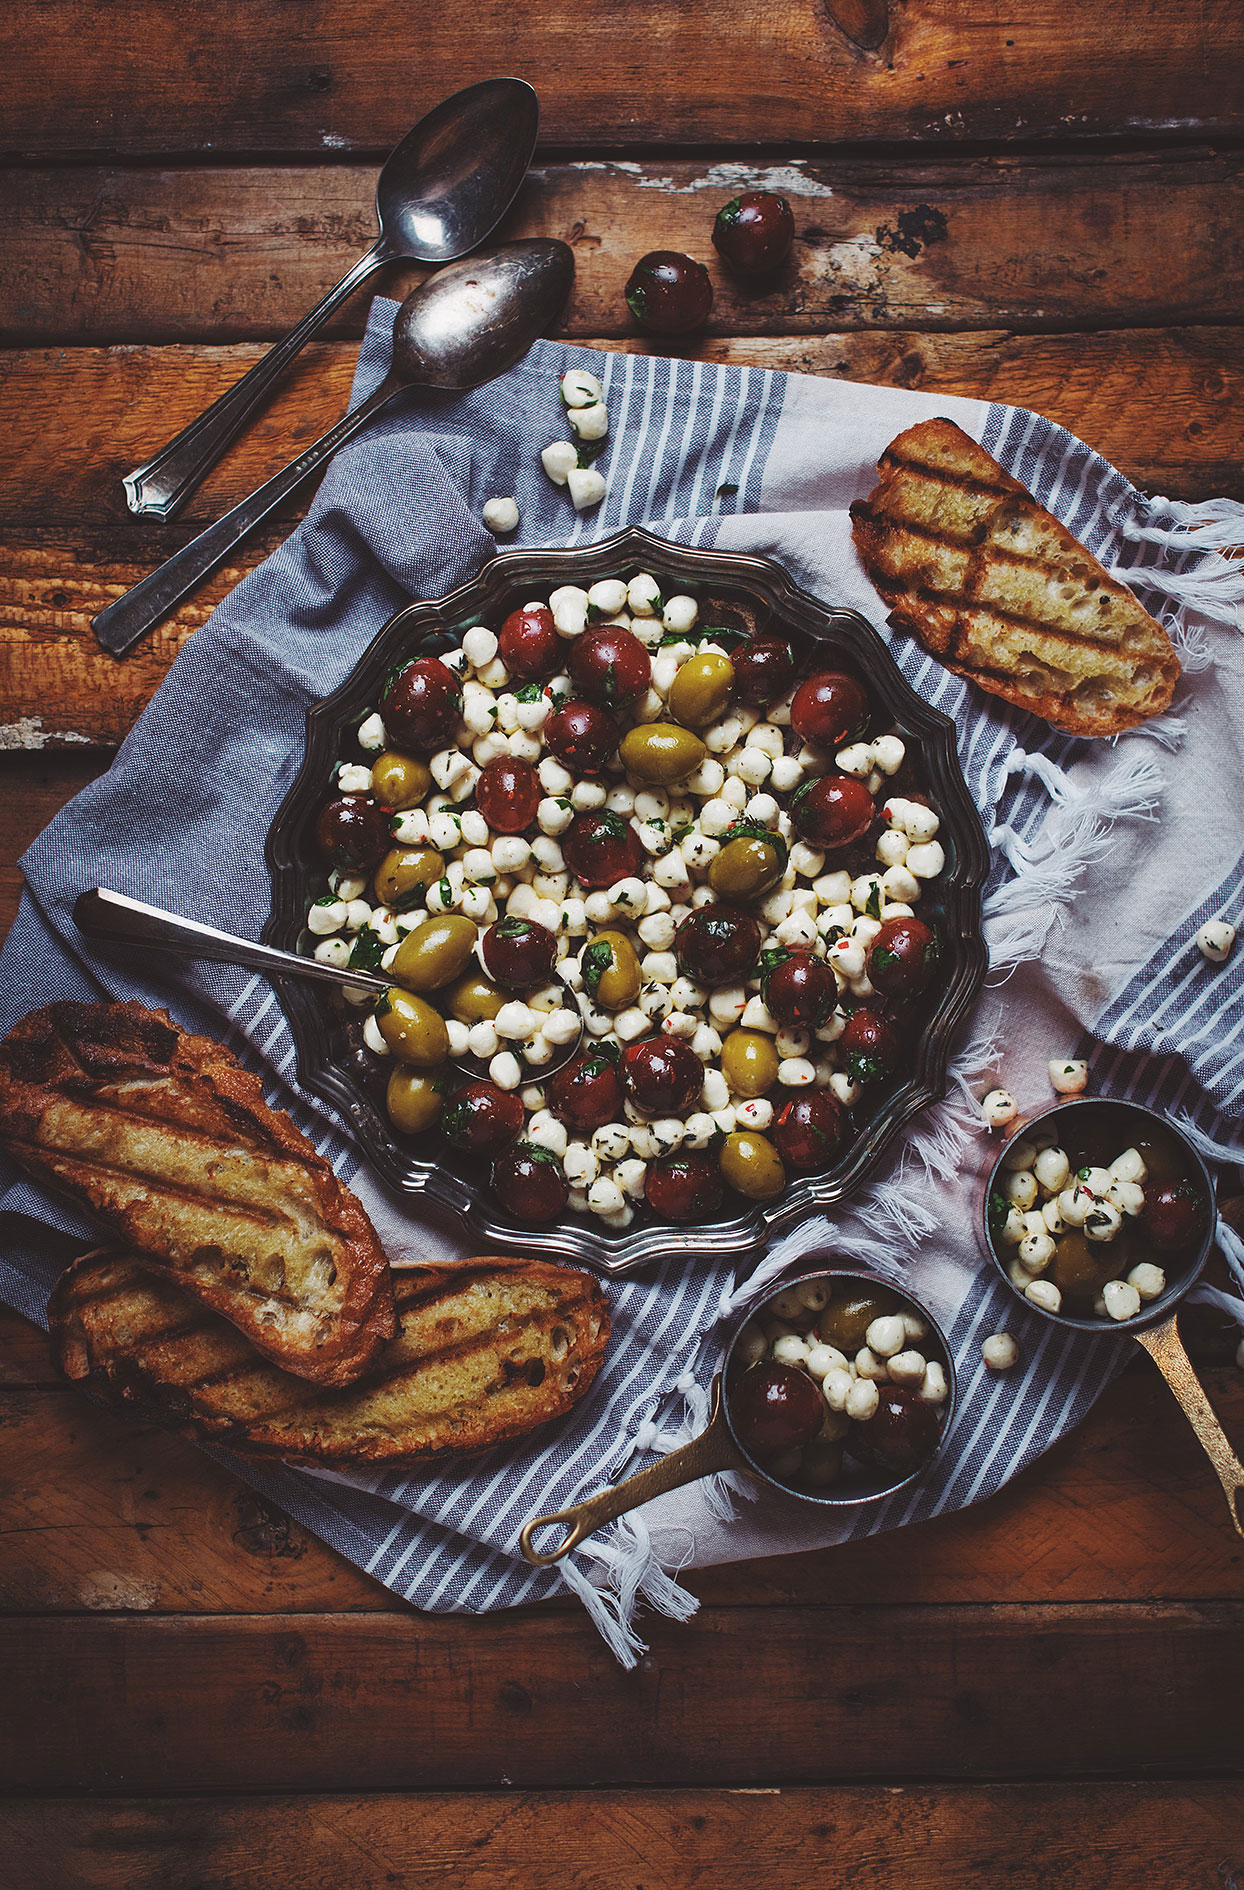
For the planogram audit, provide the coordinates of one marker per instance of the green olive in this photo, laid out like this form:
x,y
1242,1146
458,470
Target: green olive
x,y
749,1062
475,999
399,781
1080,1269
435,952
414,1032
701,689
845,1322
745,868
403,874
413,1099
752,1166
611,971
661,753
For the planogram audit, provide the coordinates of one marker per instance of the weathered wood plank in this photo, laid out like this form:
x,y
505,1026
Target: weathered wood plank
x,y
1167,406
104,1513
217,78
399,1703
1070,1837
91,255
34,787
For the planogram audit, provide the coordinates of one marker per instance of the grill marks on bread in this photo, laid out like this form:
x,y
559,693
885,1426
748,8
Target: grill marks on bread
x,y
996,588
169,1142
482,1354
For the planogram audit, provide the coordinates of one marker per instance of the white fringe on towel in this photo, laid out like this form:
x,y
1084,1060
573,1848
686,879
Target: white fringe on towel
x,y
1210,527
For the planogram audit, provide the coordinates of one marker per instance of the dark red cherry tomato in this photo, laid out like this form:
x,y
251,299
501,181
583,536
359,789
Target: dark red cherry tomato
x,y
519,953
718,945
582,736
684,1187
420,706
1172,1216
902,957
508,794
834,811
669,293
601,849
528,643
482,1118
754,232
827,708
870,1046
663,1074
610,665
801,991
763,671
775,1407
529,1183
588,1092
809,1129
900,1436
354,831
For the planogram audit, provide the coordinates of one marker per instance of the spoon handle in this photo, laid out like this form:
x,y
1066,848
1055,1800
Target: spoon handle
x,y
109,915
161,486
120,624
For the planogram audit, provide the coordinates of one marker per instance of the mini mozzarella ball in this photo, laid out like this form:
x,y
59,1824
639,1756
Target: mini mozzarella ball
x,y
482,1039
1069,1076
933,1389
1103,1221
715,1093
630,1176
559,460
1051,1168
823,1359
587,488
1215,941
333,951
500,515
458,1034
546,1131
358,912
373,1039
1034,1222
919,823
1052,1215
632,1023
790,1349
1045,1294
1148,1279
1122,1299
680,613
889,753
1075,1204
1129,1166
998,1108
1127,1196
353,778
925,861
848,955
837,1385
1036,1251
856,759
756,1113
862,1400
505,1070
1096,1180
326,916
608,596
840,1087
580,1164
510,853
1020,1153
792,1042
579,388
371,734
643,595
887,1335
591,423
892,847
1020,1187
908,1368
796,1073
1000,1352
515,1022
561,1026
605,1197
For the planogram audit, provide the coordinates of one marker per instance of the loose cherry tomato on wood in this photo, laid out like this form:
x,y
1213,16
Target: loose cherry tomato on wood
x,y
827,708
508,794
482,1118
902,957
663,1074
610,666
530,1184
528,643
421,704
669,293
684,1187
582,736
353,831
754,232
834,811
601,849
809,1130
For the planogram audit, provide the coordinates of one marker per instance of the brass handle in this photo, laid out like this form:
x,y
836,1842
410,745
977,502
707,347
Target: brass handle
x,y
714,1449
1165,1348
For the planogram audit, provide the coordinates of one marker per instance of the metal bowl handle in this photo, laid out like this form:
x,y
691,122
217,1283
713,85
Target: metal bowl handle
x,y
1165,1348
714,1449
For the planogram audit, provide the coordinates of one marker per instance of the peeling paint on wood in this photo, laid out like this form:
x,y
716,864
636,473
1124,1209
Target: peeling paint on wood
x,y
29,733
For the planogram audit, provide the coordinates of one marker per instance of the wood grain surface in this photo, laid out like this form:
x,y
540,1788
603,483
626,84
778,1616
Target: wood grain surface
x,y
242,77
1168,1836
90,254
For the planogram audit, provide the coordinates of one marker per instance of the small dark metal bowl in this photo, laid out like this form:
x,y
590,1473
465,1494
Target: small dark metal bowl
x,y
1178,1282
332,1062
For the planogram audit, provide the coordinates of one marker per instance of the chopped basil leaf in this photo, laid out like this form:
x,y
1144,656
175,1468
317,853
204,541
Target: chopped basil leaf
x,y
594,963
530,692
367,950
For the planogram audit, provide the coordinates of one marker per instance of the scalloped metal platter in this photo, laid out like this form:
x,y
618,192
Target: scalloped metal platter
x,y
332,1062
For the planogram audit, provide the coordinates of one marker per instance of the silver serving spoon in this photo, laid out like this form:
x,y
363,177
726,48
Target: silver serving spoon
x,y
117,919
443,189
462,327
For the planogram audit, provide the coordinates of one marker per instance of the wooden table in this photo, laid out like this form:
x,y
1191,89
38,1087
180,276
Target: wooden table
x,y
1045,1690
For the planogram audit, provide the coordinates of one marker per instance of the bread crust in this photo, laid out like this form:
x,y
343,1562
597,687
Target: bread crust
x,y
1000,592
484,1353
168,1141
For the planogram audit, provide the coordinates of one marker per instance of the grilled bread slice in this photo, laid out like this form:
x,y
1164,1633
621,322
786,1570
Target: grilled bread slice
x,y
170,1143
996,588
484,1352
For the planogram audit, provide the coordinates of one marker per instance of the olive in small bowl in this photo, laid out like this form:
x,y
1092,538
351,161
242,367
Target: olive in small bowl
x,y
754,232
669,293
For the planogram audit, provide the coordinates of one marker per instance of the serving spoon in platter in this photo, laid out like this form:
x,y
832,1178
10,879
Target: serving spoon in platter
x,y
114,918
464,326
440,194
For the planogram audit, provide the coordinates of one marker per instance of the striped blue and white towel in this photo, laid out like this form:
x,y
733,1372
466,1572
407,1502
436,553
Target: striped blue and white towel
x,y
1109,857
